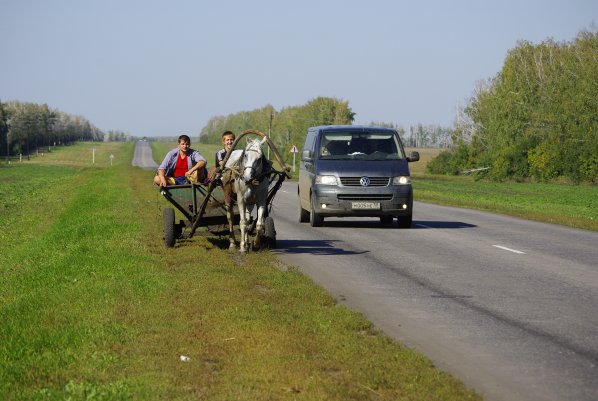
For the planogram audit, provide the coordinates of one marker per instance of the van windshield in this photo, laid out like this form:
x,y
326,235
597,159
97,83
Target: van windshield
x,y
359,145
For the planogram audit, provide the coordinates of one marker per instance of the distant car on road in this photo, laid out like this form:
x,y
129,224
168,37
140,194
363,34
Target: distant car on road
x,y
348,171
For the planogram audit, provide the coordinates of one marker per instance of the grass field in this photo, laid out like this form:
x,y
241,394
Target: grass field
x,y
570,205
93,307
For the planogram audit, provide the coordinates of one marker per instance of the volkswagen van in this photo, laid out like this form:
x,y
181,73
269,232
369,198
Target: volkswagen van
x,y
355,171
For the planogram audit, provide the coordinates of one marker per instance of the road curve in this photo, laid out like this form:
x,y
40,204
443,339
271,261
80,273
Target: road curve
x,y
508,306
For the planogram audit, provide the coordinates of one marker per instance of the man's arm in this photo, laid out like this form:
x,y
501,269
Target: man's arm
x,y
199,160
197,166
160,178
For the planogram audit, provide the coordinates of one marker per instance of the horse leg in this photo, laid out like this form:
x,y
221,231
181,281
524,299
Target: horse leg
x,y
228,202
259,228
231,225
242,222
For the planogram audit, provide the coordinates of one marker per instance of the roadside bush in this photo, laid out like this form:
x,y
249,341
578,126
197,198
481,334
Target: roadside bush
x,y
537,117
449,162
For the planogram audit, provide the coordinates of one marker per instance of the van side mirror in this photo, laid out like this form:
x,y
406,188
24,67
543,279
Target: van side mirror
x,y
413,157
306,154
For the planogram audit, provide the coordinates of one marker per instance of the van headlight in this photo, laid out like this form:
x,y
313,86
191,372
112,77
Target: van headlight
x,y
401,180
326,180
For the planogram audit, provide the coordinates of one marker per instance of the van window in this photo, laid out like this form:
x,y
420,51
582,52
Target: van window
x,y
309,141
360,146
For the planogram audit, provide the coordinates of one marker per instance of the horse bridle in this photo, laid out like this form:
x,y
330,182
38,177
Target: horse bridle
x,y
259,162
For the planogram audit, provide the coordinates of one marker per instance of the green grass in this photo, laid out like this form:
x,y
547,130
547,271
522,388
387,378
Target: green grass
x,y
571,205
93,307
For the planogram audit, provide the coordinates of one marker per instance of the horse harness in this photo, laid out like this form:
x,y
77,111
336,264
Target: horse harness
x,y
235,171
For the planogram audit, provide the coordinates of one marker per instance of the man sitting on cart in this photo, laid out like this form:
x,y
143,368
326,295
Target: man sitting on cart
x,y
181,165
228,138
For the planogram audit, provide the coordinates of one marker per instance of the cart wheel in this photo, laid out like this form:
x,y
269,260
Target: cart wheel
x,y
270,232
169,228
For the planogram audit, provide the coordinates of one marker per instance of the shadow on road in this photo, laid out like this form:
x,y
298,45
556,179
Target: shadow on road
x,y
375,224
313,247
441,224
370,223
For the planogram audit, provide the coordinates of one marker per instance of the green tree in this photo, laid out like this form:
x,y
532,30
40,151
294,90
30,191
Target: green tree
x,y
287,126
538,117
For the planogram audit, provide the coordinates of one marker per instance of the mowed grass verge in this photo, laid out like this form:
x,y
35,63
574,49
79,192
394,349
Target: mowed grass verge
x,y
94,307
565,204
569,205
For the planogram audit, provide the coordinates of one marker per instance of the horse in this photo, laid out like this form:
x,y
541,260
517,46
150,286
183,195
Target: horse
x,y
246,174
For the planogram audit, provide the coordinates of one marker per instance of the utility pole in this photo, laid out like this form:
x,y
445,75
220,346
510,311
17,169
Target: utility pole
x,y
7,126
270,131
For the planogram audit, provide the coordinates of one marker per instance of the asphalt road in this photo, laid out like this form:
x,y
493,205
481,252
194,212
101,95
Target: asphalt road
x,y
508,306
143,156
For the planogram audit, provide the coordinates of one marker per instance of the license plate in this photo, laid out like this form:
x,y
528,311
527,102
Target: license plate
x,y
365,205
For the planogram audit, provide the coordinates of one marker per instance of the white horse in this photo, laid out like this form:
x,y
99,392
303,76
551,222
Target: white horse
x,y
246,174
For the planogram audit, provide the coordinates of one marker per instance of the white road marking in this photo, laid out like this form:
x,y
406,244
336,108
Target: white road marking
x,y
509,249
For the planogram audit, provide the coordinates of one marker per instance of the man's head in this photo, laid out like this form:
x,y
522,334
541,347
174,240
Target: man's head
x,y
228,138
185,138
184,143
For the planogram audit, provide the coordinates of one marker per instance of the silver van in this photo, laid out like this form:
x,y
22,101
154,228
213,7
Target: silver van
x,y
349,171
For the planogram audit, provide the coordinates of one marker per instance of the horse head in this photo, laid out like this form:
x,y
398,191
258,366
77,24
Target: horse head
x,y
252,160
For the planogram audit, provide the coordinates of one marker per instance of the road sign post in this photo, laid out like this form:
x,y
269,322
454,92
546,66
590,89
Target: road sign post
x,y
294,151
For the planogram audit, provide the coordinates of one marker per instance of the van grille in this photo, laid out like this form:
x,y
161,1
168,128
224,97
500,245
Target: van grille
x,y
364,197
374,181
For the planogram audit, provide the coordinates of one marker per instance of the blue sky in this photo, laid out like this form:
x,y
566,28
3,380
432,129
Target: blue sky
x,y
165,67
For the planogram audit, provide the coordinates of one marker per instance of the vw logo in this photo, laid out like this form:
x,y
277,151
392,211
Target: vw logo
x,y
364,181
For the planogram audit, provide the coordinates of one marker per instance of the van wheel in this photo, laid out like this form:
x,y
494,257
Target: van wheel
x,y
303,215
315,219
405,221
386,220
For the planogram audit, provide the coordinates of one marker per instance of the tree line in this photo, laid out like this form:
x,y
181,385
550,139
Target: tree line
x,y
422,136
25,127
536,119
288,126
